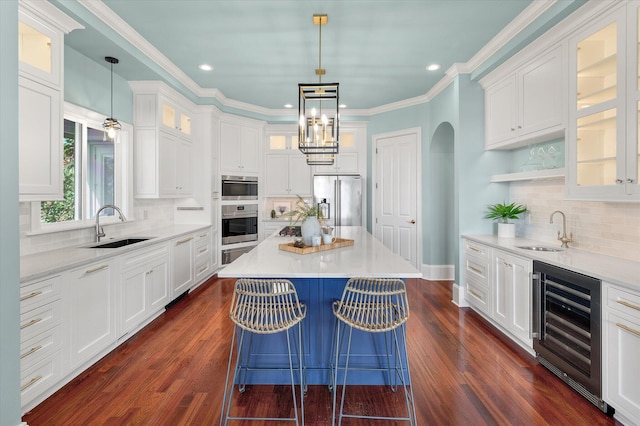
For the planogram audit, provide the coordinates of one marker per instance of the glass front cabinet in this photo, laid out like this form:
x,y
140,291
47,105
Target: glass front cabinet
x,y
604,107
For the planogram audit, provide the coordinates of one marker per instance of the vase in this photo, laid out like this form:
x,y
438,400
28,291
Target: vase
x,y
506,230
310,227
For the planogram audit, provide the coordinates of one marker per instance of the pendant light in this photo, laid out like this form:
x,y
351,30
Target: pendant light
x,y
319,120
111,125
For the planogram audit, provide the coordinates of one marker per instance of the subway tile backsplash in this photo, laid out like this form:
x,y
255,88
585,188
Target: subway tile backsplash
x,y
608,228
147,214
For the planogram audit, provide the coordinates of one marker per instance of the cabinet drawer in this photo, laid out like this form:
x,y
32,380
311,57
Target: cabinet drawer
x,y
38,347
38,378
623,301
203,235
40,319
143,255
202,270
38,293
476,267
202,251
477,250
477,295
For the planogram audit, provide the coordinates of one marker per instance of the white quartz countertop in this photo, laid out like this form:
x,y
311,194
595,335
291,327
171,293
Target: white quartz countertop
x,y
606,268
367,257
38,265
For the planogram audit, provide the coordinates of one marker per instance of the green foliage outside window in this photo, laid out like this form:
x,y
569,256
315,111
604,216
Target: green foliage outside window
x,y
64,210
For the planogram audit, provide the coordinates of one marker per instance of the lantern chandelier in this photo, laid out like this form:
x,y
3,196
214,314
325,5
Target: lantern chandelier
x,y
319,120
111,125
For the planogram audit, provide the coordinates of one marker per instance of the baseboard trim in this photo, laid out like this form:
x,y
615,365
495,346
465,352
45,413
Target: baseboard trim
x,y
438,272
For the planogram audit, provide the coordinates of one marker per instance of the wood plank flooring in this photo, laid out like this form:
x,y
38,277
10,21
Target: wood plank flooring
x,y
172,373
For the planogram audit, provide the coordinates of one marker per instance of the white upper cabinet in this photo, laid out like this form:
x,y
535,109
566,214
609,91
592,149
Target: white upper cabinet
x,y
286,170
351,158
525,104
163,151
239,149
603,144
41,29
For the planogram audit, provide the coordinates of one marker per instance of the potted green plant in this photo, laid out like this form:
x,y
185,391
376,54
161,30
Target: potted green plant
x,y
310,216
502,213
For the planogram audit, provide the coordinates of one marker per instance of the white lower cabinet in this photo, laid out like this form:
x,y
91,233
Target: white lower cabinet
x,y
621,346
71,319
182,265
41,336
477,270
203,255
91,311
512,294
144,286
498,285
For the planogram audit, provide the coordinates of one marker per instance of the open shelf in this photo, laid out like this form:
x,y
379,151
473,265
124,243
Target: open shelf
x,y
544,174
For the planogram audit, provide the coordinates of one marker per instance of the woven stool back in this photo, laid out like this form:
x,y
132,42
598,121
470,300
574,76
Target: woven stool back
x,y
373,304
266,306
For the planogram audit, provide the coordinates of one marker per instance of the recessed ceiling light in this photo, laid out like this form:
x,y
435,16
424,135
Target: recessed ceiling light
x,y
343,106
433,67
288,106
205,67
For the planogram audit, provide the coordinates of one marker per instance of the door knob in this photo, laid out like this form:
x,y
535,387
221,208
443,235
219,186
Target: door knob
x,y
412,221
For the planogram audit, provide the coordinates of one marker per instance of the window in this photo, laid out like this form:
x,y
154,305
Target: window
x,y
92,173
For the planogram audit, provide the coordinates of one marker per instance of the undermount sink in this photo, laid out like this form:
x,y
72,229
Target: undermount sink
x,y
540,248
119,243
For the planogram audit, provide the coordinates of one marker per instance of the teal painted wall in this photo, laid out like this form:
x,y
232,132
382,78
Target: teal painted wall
x,y
88,84
9,222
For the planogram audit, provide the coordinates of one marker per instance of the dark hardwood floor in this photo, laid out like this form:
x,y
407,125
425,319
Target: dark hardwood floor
x,y
172,373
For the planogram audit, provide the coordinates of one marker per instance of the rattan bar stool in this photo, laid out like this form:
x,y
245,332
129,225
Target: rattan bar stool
x,y
261,306
373,305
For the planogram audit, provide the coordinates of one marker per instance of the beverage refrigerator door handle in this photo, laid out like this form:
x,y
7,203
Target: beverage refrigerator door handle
x,y
536,309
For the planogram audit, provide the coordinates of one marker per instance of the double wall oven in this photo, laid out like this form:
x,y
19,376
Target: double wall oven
x,y
239,216
567,328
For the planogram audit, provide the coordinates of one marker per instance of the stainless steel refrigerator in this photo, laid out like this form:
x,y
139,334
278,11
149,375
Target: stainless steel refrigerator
x,y
340,198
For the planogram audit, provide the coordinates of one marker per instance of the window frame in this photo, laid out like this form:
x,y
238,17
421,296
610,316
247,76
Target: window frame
x,y
123,165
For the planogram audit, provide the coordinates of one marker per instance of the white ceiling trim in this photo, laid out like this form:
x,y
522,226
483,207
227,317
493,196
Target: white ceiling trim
x,y
110,18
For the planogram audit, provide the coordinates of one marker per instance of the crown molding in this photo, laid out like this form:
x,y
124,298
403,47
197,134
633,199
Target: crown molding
x,y
110,18
50,14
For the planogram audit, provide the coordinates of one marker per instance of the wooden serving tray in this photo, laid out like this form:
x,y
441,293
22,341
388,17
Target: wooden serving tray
x,y
339,242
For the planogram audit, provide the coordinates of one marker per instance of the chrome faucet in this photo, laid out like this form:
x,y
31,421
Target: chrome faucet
x,y
562,238
99,232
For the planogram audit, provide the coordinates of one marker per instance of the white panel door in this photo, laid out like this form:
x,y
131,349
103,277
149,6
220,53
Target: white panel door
x,y
397,194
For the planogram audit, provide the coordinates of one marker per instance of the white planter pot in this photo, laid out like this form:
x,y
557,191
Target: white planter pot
x,y
506,230
310,227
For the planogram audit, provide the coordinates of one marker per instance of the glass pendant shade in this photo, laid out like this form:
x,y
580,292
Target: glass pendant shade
x,y
111,125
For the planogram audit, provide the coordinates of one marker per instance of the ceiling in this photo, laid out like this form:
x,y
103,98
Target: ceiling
x,y
261,49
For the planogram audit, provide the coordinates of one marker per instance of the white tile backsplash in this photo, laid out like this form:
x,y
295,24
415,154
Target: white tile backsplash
x,y
601,227
147,214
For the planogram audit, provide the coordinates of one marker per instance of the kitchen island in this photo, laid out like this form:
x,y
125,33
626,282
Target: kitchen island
x,y
319,279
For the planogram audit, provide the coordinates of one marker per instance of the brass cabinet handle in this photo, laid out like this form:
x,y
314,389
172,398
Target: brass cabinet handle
x,y
475,249
202,269
30,351
629,329
31,382
474,293
475,270
203,250
96,269
628,305
204,235
30,295
184,240
30,323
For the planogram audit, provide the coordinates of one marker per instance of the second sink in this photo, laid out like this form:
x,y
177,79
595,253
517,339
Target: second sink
x,y
540,248
119,243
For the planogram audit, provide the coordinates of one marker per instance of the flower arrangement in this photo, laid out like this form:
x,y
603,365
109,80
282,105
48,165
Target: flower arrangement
x,y
302,210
